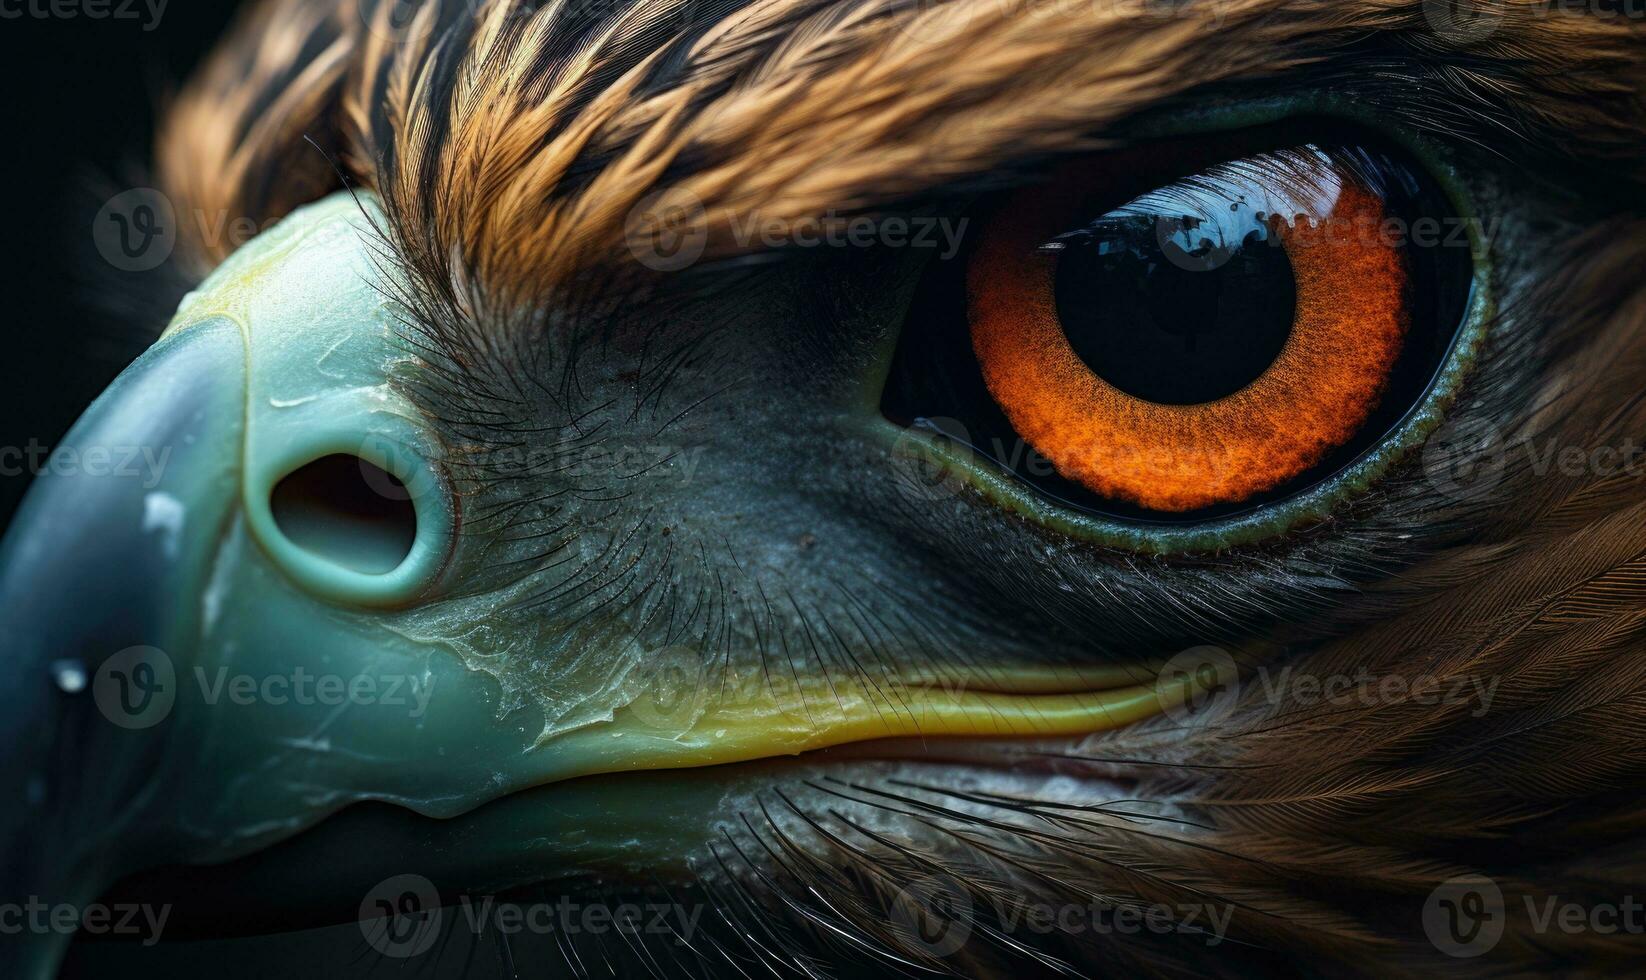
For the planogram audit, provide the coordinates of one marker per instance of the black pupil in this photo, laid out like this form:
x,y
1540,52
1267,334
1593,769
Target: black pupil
x,y
1172,309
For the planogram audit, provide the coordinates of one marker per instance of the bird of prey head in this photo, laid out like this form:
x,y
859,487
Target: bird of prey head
x,y
985,487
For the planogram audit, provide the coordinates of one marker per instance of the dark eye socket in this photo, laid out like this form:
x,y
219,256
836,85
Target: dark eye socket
x,y
1195,329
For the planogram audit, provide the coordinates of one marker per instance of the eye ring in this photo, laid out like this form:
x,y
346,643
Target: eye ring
x,y
924,379
1315,394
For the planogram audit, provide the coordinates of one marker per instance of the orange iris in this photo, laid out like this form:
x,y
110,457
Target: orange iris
x,y
1347,330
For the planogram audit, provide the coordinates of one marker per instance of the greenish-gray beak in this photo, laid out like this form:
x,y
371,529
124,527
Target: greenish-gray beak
x,y
231,618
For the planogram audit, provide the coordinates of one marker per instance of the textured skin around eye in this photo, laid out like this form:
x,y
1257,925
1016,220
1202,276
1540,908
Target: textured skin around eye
x,y
1347,332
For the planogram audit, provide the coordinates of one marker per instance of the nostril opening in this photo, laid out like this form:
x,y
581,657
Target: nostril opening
x,y
348,511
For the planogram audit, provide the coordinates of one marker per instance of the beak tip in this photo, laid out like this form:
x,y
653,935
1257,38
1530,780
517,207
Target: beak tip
x,y
123,520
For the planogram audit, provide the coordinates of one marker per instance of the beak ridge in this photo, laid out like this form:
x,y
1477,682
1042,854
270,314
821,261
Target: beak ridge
x,y
125,519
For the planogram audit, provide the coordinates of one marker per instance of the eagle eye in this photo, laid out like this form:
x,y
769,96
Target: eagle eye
x,y
1195,330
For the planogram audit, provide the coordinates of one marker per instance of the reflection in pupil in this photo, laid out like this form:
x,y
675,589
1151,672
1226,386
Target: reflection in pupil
x,y
1170,309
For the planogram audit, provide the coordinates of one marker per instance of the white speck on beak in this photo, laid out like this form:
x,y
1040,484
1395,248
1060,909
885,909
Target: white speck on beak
x,y
164,513
70,676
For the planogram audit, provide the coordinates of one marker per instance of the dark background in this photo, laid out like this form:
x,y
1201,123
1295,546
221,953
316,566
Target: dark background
x,y
77,109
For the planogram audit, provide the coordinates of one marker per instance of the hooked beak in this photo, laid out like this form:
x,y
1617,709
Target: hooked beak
x,y
191,592
228,621
121,525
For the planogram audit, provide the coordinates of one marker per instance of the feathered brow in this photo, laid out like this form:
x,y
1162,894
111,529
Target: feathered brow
x,y
513,141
